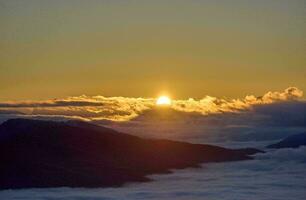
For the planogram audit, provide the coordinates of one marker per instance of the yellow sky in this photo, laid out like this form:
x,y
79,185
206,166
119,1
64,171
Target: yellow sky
x,y
54,49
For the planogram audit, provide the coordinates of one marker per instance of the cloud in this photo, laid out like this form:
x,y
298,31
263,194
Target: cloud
x,y
51,103
127,108
95,107
210,104
287,113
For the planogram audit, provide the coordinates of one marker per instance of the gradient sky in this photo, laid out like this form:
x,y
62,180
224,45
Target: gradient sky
x,y
193,48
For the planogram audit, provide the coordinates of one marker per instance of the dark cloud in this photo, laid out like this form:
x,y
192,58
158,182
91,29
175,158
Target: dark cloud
x,y
50,103
288,113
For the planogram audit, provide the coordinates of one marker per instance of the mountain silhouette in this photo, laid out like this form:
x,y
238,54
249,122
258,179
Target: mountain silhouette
x,y
36,153
293,141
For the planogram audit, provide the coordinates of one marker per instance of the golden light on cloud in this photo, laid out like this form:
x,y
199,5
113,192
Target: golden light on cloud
x,y
163,100
100,108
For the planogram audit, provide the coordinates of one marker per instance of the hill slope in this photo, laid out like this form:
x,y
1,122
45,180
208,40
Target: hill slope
x,y
36,153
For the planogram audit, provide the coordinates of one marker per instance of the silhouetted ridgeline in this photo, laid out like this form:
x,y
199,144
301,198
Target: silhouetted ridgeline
x,y
293,141
35,153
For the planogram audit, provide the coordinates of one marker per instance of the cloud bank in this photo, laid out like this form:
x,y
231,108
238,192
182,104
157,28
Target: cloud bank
x,y
271,116
127,108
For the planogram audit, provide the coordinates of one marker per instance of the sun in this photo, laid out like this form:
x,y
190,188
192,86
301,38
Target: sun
x,y
163,100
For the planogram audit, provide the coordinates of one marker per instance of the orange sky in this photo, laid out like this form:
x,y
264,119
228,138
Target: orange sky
x,y
191,48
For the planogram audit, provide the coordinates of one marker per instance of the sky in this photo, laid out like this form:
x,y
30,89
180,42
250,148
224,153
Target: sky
x,y
59,48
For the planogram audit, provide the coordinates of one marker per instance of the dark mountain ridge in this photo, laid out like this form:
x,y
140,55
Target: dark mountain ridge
x,y
36,153
293,141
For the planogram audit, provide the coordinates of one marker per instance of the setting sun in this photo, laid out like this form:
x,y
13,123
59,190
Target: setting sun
x,y
163,100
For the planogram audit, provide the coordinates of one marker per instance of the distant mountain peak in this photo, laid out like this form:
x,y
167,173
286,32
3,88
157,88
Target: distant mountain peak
x,y
293,141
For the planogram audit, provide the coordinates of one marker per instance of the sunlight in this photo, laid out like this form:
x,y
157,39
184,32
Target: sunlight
x,y
163,100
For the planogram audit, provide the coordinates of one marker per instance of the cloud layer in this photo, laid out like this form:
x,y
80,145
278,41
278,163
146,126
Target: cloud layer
x,y
126,108
271,116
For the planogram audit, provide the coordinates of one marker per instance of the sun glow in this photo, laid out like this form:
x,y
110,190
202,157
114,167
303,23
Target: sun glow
x,y
163,100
